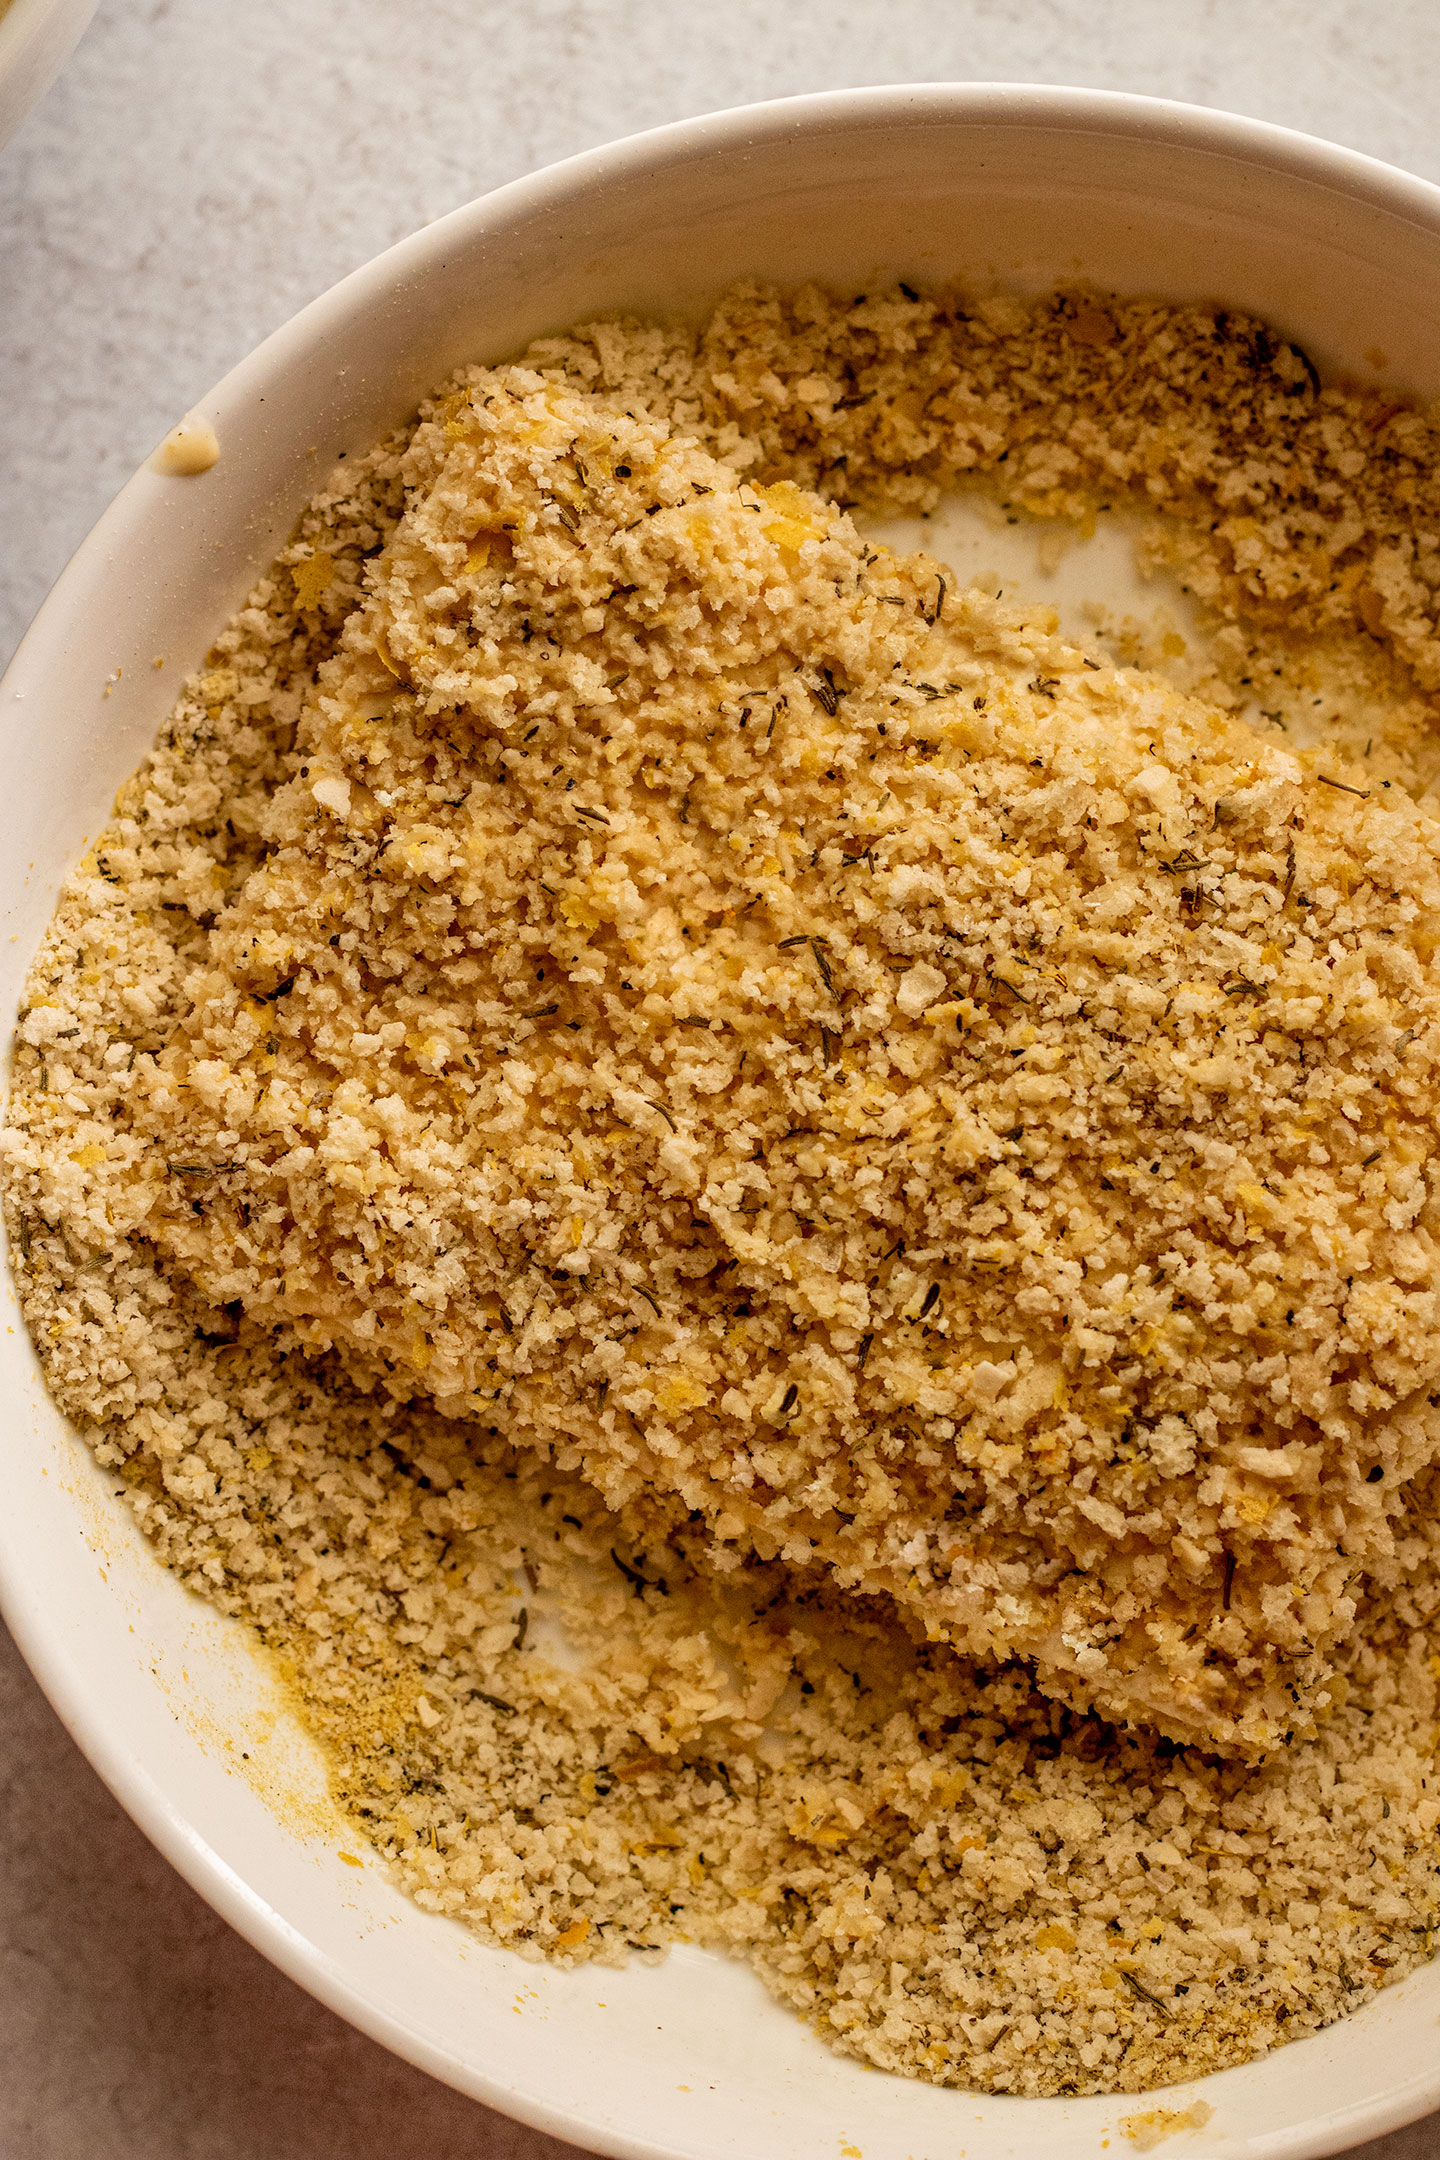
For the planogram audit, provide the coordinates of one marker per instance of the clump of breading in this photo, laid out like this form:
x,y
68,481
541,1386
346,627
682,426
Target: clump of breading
x,y
1303,515
726,1010
1305,505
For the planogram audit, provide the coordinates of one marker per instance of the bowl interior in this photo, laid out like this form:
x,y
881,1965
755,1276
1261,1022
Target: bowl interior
x,y
1005,186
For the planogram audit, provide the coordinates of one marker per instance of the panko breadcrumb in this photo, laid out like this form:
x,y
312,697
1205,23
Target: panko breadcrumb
x,y
924,1136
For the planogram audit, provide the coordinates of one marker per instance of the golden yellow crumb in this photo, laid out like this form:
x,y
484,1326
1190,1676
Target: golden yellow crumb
x,y
191,447
1151,2128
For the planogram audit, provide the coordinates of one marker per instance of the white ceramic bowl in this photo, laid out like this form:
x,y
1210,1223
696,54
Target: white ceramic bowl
x,y
1015,184
37,37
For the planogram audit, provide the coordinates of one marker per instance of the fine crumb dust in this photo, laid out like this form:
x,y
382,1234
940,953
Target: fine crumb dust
x,y
636,1073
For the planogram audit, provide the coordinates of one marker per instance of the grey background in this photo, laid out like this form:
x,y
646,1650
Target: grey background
x,y
203,168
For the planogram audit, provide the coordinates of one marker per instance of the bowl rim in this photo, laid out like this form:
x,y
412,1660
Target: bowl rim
x,y
23,17
1041,107
36,39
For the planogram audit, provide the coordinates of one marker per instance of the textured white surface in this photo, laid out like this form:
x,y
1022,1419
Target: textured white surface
x,y
202,169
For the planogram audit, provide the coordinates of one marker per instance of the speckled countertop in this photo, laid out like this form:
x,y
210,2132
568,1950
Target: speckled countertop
x,y
202,168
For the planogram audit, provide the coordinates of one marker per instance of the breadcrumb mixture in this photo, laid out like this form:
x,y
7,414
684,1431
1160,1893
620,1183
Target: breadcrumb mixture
x,y
634,1063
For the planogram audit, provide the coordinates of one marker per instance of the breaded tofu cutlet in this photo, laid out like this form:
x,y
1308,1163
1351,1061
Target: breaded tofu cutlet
x,y
723,1008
